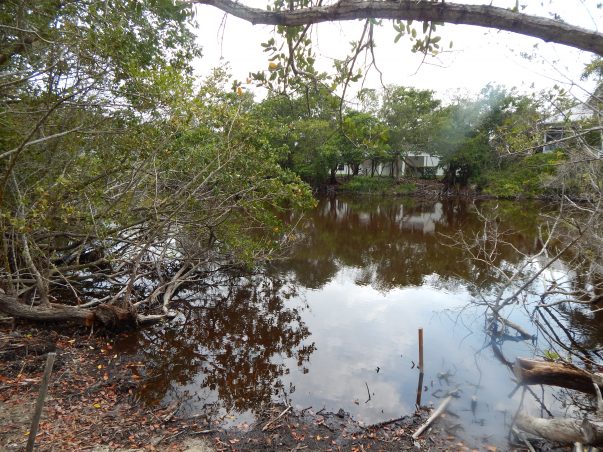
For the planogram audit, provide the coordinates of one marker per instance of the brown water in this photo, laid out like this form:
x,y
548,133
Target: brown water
x,y
337,321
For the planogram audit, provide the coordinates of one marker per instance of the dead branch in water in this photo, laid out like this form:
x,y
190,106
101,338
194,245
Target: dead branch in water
x,y
564,375
438,411
563,430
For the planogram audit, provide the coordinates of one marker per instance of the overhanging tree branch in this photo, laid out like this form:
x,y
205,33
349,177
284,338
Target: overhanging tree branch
x,y
546,29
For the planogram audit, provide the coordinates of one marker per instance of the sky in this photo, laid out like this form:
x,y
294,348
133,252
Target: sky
x,y
479,55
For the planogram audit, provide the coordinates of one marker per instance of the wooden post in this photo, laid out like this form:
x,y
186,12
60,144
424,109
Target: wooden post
x,y
419,390
421,368
33,431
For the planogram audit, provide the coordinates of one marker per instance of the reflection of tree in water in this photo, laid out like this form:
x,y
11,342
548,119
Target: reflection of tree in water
x,y
236,339
397,242
582,331
583,317
539,298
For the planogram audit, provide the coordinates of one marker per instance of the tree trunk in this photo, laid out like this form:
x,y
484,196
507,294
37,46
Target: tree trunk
x,y
333,178
563,430
546,29
532,372
106,315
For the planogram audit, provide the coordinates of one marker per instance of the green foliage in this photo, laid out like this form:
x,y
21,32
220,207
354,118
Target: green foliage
x,y
471,132
462,147
307,132
365,137
109,143
316,151
550,355
427,43
377,185
523,177
409,114
290,61
594,69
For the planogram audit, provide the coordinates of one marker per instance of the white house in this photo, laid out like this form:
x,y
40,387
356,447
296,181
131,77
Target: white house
x,y
410,164
423,221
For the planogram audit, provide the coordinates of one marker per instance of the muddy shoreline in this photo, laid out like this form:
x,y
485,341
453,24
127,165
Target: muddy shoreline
x,y
93,404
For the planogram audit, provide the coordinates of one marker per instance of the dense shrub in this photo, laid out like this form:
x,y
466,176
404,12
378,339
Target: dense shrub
x,y
523,177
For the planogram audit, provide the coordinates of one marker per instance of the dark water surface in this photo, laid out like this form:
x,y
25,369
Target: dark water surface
x,y
338,321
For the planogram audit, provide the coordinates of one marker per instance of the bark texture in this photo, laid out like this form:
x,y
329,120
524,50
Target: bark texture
x,y
532,372
563,430
106,315
548,30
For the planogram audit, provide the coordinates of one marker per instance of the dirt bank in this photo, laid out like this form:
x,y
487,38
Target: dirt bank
x,y
92,404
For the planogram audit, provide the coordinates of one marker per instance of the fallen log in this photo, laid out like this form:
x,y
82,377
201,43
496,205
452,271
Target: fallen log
x,y
563,430
563,375
107,315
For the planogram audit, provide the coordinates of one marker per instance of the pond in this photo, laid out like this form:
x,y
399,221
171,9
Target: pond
x,y
334,325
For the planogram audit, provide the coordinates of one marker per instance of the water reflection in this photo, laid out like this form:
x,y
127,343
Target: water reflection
x,y
227,344
340,318
397,243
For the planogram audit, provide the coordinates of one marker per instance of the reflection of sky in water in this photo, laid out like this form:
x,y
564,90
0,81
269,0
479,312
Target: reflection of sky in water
x,y
372,273
357,329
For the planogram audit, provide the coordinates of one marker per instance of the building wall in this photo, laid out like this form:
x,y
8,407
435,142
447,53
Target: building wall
x,y
419,160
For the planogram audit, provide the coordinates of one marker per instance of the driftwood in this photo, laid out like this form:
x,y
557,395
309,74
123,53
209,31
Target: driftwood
x,y
532,372
106,315
438,411
563,430
588,432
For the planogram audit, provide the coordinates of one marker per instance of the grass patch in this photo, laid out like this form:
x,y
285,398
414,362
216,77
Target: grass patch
x,y
377,185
